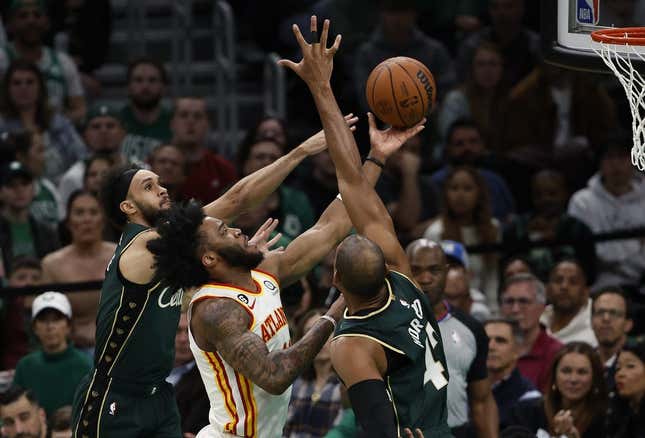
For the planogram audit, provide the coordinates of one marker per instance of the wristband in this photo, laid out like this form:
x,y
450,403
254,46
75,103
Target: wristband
x,y
330,319
379,163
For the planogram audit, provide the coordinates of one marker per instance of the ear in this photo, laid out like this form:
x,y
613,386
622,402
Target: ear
x,y
128,207
209,259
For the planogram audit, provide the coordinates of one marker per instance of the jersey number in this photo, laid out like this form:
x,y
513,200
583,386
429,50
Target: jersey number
x,y
434,368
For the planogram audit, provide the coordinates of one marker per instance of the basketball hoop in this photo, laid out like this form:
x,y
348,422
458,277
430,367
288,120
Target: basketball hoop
x,y
617,47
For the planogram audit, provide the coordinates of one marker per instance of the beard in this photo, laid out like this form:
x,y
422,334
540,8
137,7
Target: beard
x,y
150,214
239,258
147,103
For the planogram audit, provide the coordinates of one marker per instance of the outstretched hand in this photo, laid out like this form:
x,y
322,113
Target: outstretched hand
x,y
386,142
260,237
317,61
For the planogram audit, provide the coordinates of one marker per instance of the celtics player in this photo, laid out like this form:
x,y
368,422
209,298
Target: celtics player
x,y
126,395
387,349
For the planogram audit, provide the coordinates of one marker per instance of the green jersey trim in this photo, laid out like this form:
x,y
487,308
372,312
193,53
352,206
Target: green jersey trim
x,y
377,311
105,394
360,335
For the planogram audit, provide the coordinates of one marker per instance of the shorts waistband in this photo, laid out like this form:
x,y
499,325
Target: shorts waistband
x,y
147,389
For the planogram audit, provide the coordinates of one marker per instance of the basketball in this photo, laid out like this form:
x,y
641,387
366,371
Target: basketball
x,y
401,91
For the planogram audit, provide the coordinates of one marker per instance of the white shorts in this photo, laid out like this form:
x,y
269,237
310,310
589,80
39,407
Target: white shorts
x,y
211,432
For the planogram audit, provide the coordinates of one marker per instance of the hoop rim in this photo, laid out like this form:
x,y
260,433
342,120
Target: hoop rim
x,y
634,36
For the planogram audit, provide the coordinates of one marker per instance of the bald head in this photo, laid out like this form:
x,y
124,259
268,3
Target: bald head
x,y
429,266
360,266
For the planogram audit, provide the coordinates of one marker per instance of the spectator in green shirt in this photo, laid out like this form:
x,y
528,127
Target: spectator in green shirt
x,y
54,371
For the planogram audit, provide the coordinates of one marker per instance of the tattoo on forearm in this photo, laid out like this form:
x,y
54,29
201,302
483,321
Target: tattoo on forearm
x,y
225,323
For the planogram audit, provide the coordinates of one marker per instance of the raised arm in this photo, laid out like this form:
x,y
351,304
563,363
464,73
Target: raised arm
x,y
222,325
367,212
254,188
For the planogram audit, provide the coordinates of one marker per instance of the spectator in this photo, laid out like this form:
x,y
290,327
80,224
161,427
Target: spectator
x,y
466,218
522,300
320,184
611,322
21,414
21,233
575,402
568,317
28,23
626,417
85,258
509,386
397,34
549,221
209,174
614,200
25,107
144,117
269,128
459,293
30,151
54,371
451,22
96,167
514,265
464,342
520,46
192,400
481,97
465,147
25,271
315,396
169,163
61,422
103,134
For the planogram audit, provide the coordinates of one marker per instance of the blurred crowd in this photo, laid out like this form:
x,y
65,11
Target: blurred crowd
x,y
522,167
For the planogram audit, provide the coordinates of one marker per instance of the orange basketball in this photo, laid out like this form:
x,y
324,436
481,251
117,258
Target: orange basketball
x,y
401,91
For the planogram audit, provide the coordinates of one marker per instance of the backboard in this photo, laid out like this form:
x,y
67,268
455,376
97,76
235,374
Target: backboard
x,y
567,24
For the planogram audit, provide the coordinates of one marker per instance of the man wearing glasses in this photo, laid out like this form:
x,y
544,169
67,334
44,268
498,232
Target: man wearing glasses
x,y
523,299
611,321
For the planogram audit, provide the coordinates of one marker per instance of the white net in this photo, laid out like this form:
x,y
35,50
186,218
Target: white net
x,y
619,59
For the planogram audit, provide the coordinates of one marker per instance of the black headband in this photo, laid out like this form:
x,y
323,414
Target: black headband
x,y
123,184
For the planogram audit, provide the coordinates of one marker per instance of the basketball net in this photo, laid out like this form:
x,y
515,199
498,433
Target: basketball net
x,y
634,86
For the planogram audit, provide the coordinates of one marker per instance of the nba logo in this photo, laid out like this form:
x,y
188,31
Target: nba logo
x,y
588,12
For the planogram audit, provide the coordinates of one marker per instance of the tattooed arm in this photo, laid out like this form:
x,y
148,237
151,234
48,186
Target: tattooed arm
x,y
222,325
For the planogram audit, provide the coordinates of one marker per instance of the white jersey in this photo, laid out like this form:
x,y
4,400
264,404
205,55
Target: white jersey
x,y
238,407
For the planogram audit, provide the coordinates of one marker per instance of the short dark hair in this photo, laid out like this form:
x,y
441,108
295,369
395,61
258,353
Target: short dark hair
x,y
145,60
360,266
112,194
574,260
615,290
462,122
176,250
516,331
14,392
25,262
61,418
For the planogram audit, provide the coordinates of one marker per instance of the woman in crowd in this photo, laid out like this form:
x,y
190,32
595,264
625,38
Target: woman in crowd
x,y
315,397
24,107
626,418
85,258
481,97
575,403
96,167
466,217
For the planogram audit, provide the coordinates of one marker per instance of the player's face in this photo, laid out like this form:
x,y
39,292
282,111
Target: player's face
x,y
52,329
519,302
170,164
461,193
148,196
25,277
609,319
429,269
24,89
85,220
574,376
567,289
190,122
104,134
487,68
630,376
22,419
261,154
146,87
28,24
502,353
230,244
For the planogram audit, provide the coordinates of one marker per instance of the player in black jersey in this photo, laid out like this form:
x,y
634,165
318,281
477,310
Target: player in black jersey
x,y
387,349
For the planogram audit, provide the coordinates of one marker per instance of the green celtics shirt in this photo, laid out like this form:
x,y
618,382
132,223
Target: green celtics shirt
x,y
405,325
143,138
136,324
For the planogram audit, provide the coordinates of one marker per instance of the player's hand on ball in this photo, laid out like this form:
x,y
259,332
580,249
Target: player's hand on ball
x,y
386,142
317,142
407,433
317,61
260,237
